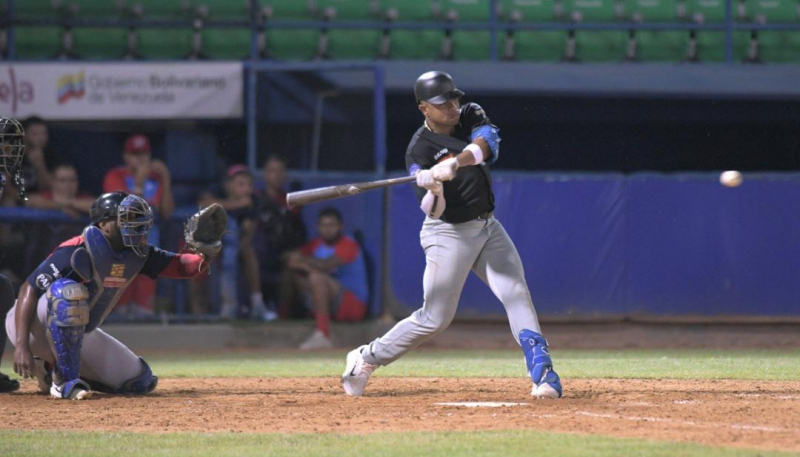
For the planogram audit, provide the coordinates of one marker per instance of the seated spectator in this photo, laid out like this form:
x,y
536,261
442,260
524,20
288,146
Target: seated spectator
x,y
280,229
40,158
150,179
329,271
64,197
238,198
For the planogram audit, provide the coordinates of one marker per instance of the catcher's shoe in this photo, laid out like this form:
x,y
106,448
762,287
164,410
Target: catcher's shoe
x,y
7,384
356,373
549,386
71,390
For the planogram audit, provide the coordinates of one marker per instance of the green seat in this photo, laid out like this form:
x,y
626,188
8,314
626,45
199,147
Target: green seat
x,y
544,46
103,9
779,47
161,9
527,10
592,10
661,46
38,42
406,10
224,9
416,44
594,46
295,44
466,10
652,10
38,9
711,46
228,44
706,11
348,10
160,44
287,10
771,11
354,44
100,43
471,45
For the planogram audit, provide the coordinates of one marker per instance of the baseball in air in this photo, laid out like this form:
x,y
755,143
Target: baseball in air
x,y
731,178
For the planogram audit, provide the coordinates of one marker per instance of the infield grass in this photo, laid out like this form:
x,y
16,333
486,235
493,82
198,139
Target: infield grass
x,y
428,444
641,364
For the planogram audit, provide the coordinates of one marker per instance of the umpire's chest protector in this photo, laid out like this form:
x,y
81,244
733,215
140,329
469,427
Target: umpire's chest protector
x,y
112,272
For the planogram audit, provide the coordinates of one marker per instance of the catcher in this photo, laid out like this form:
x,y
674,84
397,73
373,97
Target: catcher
x,y
55,322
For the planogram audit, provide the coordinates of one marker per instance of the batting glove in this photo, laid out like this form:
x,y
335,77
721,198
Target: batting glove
x,y
445,170
425,179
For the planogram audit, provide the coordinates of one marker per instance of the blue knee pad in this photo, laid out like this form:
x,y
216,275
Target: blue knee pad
x,y
142,384
67,317
537,354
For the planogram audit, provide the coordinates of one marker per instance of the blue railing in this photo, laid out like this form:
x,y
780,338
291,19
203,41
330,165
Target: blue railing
x,y
494,26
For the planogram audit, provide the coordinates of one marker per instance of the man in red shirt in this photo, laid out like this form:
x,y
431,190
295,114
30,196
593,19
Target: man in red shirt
x,y
149,179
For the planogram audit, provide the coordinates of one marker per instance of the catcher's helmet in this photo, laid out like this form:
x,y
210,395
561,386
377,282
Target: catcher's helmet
x,y
133,215
12,145
106,207
436,87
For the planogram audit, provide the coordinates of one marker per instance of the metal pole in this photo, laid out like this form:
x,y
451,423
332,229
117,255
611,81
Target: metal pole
x,y
379,106
12,42
493,33
250,96
728,31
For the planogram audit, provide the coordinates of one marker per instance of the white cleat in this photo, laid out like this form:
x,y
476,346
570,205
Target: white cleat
x,y
544,390
356,373
73,390
317,340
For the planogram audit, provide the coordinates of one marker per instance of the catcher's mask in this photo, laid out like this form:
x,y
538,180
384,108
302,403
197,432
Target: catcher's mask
x,y
12,150
135,217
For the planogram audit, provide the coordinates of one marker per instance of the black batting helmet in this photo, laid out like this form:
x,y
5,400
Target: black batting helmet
x,y
436,87
106,207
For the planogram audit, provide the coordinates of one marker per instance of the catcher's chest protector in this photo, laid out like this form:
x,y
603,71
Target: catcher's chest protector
x,y
112,271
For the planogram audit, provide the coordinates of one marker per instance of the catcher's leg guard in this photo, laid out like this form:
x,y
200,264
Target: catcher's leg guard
x,y
67,317
142,384
546,382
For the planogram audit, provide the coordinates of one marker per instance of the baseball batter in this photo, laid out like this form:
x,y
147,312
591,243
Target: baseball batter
x,y
449,155
55,322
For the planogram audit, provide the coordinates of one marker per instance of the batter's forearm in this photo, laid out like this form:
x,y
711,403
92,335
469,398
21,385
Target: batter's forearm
x,y
467,157
25,313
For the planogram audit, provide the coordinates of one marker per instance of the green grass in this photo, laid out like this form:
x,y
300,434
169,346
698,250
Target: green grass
x,y
644,364
429,444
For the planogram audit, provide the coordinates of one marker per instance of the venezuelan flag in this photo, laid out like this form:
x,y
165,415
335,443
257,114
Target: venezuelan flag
x,y
70,86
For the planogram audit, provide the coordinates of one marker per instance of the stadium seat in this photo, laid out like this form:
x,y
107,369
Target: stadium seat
x,y
661,46
472,45
288,10
230,44
292,44
353,44
711,46
160,44
348,10
466,10
223,9
101,9
653,10
38,42
706,11
43,9
405,10
416,44
773,11
160,9
606,46
545,46
592,10
527,10
106,43
779,47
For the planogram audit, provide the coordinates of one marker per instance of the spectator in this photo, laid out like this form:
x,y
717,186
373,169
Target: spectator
x,y
238,198
150,179
280,229
65,197
329,271
40,158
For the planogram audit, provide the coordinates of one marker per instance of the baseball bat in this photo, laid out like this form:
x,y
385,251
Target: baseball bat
x,y
304,197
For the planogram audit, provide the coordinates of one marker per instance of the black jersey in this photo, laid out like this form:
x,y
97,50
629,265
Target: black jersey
x,y
468,195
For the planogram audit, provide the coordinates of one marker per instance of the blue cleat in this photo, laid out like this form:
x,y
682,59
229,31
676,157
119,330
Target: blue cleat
x,y
546,383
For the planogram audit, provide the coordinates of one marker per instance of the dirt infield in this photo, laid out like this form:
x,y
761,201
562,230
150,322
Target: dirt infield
x,y
763,415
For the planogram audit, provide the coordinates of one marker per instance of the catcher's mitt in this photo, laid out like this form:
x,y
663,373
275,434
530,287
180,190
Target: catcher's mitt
x,y
203,232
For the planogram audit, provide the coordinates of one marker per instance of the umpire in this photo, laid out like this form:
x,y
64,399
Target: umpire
x,y
449,155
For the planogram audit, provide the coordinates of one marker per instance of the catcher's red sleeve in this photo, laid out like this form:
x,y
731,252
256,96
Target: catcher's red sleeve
x,y
185,266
